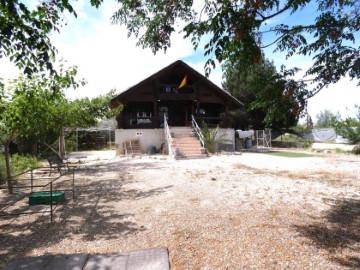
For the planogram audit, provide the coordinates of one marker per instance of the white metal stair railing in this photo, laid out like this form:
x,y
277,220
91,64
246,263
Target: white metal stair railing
x,y
198,131
168,139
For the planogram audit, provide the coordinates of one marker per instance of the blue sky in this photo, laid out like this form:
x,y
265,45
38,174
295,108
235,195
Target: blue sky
x,y
108,59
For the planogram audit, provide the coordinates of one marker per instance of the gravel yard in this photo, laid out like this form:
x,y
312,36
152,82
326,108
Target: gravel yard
x,y
248,211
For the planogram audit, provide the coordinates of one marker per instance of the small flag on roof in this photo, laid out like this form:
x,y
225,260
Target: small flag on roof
x,y
183,82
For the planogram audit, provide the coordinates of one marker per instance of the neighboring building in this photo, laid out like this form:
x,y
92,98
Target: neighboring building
x,y
159,95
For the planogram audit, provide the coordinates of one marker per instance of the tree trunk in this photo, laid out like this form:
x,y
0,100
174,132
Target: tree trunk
x,y
62,145
34,148
8,169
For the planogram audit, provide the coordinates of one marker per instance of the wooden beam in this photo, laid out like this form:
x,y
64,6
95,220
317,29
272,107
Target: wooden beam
x,y
156,85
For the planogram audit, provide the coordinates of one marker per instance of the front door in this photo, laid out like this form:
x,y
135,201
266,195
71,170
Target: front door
x,y
178,112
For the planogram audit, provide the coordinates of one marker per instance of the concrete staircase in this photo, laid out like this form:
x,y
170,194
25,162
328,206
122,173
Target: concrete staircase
x,y
188,146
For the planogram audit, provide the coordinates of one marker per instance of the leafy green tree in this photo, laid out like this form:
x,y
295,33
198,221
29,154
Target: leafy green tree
x,y
68,115
36,109
348,128
89,111
86,113
31,108
25,31
270,98
325,118
308,122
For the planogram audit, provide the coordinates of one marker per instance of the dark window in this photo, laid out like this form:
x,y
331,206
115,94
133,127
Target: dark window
x,y
172,89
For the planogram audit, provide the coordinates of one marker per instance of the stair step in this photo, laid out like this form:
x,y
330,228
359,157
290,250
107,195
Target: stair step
x,y
188,145
193,156
189,150
186,142
186,138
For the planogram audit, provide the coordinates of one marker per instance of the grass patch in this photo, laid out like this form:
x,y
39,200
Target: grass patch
x,y
18,164
332,178
289,154
340,151
288,138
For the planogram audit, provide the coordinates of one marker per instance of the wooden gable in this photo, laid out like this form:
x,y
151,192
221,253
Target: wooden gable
x,y
164,84
157,97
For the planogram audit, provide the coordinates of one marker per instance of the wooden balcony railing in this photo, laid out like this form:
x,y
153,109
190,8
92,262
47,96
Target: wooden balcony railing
x,y
129,122
222,122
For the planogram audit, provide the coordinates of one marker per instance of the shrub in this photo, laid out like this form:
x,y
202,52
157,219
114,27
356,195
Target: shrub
x,y
70,144
211,139
2,169
349,128
307,143
21,163
356,150
18,164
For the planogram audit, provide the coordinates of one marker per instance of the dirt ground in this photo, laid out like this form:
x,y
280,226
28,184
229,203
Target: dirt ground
x,y
228,211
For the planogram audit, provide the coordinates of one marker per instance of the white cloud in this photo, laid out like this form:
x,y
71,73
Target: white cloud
x,y
340,97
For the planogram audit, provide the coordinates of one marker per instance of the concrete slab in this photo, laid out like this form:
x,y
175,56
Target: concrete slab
x,y
33,263
149,259
107,261
145,259
57,262
61,262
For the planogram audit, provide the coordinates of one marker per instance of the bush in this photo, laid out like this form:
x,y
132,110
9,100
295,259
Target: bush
x,y
18,164
2,169
211,138
70,144
21,163
307,143
288,138
349,128
356,150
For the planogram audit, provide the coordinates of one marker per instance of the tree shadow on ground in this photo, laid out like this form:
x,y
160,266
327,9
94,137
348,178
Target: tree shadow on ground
x,y
339,234
98,212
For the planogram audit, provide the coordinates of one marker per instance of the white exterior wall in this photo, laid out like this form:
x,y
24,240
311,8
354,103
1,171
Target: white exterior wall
x,y
147,137
155,137
228,138
229,135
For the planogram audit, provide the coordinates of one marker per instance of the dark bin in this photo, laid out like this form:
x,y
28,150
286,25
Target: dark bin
x,y
248,143
151,150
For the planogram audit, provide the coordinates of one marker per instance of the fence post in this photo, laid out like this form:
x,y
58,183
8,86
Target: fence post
x,y
51,202
32,180
73,183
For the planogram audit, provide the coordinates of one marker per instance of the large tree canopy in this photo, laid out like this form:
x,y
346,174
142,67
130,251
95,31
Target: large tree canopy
x,y
30,108
36,109
234,29
270,98
25,30
237,30
324,119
